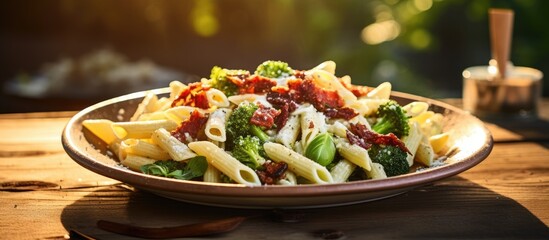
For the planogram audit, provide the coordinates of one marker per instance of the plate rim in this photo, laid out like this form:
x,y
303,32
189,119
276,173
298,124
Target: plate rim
x,y
409,180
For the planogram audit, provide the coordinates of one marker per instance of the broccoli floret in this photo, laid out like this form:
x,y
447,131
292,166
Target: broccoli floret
x,y
392,158
249,151
218,79
392,119
274,69
239,124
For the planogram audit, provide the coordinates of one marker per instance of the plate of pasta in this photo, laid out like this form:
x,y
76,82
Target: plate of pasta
x,y
275,137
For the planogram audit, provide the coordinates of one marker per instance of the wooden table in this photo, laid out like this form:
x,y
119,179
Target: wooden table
x,y
44,195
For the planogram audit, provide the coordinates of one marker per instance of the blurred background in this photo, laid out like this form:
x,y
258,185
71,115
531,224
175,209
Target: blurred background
x,y
65,55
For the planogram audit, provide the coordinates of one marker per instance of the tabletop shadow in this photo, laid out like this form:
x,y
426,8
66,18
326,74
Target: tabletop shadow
x,y
529,129
440,211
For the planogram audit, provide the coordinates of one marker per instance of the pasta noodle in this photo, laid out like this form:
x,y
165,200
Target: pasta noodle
x,y
377,172
175,148
354,154
217,98
147,105
342,170
212,174
412,141
289,133
253,98
225,163
182,113
215,126
312,123
425,154
142,148
102,128
383,91
299,164
140,129
134,162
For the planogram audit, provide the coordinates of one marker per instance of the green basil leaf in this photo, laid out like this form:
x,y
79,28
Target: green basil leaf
x,y
194,167
197,166
322,149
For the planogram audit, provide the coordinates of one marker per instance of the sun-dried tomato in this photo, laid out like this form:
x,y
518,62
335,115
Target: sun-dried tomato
x,y
321,99
298,91
264,116
344,113
193,95
192,128
256,84
357,90
272,172
360,135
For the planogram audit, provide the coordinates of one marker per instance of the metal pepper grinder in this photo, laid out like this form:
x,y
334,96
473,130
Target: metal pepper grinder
x,y
501,89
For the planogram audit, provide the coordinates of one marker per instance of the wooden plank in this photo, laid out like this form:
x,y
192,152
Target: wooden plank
x,y
504,196
440,211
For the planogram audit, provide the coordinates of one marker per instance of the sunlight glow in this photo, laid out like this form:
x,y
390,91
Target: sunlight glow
x,y
420,39
423,5
203,19
379,32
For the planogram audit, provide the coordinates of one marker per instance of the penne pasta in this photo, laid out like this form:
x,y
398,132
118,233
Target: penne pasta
x,y
383,91
342,170
225,163
289,179
425,154
134,162
142,148
368,106
338,129
147,105
177,150
182,113
377,172
438,142
176,87
140,129
328,66
152,116
215,126
102,128
312,123
416,108
298,163
217,98
354,154
327,80
287,136
412,141
212,174
432,125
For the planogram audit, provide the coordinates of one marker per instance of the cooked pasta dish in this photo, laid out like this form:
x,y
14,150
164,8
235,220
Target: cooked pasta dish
x,y
275,126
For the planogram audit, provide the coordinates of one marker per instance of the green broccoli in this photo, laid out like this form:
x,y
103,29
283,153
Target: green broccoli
x,y
274,69
392,119
239,124
392,158
218,79
249,151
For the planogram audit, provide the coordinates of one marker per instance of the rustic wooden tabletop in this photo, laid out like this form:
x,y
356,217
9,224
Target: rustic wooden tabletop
x,y
46,195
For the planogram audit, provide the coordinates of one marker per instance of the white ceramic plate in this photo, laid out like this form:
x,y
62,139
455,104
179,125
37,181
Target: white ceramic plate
x,y
470,139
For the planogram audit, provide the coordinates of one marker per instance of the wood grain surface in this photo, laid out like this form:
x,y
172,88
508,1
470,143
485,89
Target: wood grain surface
x,y
45,195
